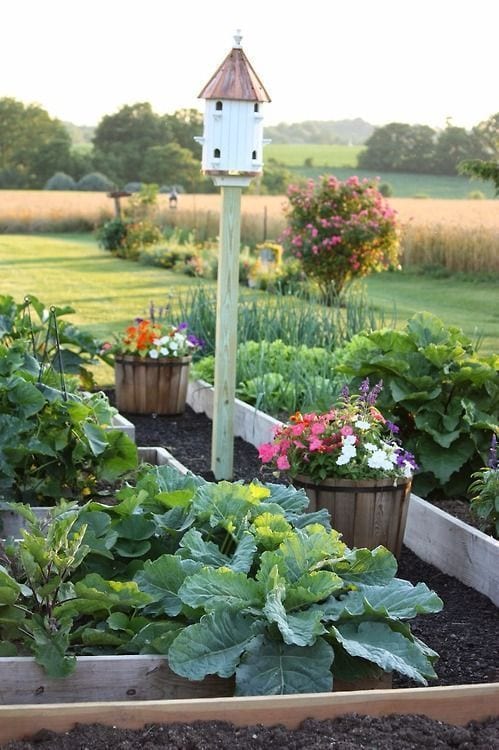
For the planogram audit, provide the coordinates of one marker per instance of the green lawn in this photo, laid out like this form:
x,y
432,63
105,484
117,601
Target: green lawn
x,y
107,293
321,154
341,161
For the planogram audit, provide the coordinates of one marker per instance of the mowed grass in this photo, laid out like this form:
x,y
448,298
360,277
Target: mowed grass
x,y
107,293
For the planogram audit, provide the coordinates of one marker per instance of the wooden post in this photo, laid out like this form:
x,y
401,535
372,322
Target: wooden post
x,y
222,447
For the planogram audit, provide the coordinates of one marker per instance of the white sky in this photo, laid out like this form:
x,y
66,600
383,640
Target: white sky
x,y
382,60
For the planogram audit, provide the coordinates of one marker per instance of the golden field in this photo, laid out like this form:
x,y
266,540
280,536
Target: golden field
x,y
458,235
40,206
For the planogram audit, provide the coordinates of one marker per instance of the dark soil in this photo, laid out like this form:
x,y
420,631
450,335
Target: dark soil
x,y
465,634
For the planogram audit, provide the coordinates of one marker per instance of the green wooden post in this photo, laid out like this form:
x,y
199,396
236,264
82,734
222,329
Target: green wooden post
x,y
222,445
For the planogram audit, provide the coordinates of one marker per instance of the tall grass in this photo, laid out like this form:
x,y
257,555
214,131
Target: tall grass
x,y
453,248
294,321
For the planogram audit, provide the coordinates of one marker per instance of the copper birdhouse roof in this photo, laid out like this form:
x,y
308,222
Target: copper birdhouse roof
x,y
235,79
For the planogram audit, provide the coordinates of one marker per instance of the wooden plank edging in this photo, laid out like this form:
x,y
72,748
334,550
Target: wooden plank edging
x,y
454,547
454,705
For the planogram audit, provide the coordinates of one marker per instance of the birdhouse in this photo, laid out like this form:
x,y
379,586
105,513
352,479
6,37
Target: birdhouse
x,y
233,121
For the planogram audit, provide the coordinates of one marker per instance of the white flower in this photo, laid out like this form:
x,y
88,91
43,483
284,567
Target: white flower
x,y
380,460
348,450
154,354
362,424
164,351
157,342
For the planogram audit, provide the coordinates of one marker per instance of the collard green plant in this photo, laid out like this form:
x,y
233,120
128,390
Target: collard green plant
x,y
440,393
53,444
225,579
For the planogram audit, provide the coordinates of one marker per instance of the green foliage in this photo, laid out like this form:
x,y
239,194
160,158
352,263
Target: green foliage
x,y
96,182
443,397
127,237
279,378
54,444
399,147
224,579
484,492
60,181
294,320
482,170
33,146
55,342
340,231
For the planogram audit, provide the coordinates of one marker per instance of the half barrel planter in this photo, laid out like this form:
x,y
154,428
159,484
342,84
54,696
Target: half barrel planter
x,y
151,386
366,512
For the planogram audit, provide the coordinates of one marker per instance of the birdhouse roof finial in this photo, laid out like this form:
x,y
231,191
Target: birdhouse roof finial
x,y
237,39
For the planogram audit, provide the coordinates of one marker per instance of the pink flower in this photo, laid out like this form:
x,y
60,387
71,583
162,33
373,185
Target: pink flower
x,y
283,463
315,444
346,430
317,428
266,452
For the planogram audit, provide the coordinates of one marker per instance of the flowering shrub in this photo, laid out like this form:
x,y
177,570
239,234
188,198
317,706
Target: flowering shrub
x,y
153,339
340,230
485,493
353,440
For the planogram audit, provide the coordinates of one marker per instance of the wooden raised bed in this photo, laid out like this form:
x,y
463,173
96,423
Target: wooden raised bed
x,y
454,705
436,537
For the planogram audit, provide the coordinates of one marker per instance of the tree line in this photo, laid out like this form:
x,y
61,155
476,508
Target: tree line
x,y
134,145
398,147
137,145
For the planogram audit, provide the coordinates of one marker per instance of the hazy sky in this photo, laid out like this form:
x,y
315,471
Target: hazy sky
x,y
382,60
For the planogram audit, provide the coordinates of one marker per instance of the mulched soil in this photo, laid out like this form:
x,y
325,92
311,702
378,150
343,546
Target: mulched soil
x,y
465,634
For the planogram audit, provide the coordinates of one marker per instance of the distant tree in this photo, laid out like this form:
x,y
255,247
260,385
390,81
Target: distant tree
x,y
60,181
32,145
122,140
182,127
481,170
399,147
487,132
453,146
171,164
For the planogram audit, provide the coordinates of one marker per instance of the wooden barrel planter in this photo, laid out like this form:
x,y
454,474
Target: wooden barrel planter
x,y
151,386
367,513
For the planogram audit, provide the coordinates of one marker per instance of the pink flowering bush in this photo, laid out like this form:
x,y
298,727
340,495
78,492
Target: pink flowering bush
x,y
340,230
352,440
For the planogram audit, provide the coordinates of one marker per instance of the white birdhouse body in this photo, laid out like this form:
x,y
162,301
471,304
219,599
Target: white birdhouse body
x,y
233,122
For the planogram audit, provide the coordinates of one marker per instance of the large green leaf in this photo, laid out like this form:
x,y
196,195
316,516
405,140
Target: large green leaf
x,y
121,456
398,600
290,499
96,436
221,589
161,579
50,647
193,546
135,527
372,567
156,637
377,642
26,397
228,504
269,667
212,646
242,559
441,461
312,587
300,629
111,593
